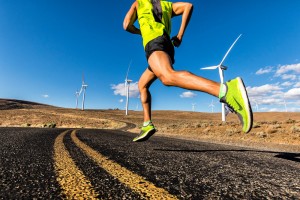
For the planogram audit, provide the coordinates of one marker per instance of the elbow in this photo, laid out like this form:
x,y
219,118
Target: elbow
x,y
125,25
189,6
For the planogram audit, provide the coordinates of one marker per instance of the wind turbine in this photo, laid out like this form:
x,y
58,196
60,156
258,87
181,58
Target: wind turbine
x,y
256,105
83,88
77,95
221,67
193,106
212,106
285,105
127,84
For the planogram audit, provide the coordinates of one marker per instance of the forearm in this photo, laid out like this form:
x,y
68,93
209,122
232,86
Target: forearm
x,y
132,29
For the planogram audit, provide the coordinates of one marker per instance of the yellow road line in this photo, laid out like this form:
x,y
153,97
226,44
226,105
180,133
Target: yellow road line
x,y
72,181
135,182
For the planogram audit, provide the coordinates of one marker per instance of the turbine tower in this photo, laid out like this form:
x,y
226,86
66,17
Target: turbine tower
x,y
256,105
83,88
193,106
221,68
127,85
285,105
212,106
77,95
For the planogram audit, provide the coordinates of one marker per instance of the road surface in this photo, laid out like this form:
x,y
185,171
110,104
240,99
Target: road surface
x,y
105,164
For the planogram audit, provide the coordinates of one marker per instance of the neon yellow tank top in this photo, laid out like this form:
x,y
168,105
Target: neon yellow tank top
x,y
151,29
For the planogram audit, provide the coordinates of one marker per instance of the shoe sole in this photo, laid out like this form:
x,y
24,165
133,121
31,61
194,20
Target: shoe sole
x,y
146,136
247,104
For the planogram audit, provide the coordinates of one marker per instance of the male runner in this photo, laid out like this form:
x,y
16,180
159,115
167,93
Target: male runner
x,y
154,17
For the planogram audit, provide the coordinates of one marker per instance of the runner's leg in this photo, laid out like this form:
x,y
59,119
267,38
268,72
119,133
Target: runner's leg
x,y
161,65
235,95
145,82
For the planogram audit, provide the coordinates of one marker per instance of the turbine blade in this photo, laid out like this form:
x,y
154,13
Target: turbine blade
x,y
211,67
80,91
230,49
128,70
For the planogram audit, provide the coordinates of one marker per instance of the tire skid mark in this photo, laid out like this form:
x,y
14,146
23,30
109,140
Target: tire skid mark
x,y
72,180
138,184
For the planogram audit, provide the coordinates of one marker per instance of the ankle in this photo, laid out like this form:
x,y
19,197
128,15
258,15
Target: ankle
x,y
223,90
146,123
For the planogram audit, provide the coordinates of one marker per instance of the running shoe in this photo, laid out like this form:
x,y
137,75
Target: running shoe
x,y
237,99
146,133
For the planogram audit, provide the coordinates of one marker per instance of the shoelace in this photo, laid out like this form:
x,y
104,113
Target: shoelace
x,y
228,109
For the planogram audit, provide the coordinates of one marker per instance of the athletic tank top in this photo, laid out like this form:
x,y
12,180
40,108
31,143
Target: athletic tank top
x,y
151,28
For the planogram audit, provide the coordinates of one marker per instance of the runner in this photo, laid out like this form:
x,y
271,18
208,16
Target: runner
x,y
154,17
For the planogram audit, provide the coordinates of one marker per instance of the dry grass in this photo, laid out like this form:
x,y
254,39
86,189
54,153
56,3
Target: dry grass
x,y
270,130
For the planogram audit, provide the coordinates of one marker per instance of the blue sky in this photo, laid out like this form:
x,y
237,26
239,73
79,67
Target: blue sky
x,y
46,46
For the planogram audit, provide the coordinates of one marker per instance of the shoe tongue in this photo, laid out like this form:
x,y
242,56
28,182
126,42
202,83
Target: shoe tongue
x,y
223,90
146,123
228,109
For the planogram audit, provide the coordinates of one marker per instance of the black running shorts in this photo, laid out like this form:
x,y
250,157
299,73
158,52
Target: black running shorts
x,y
161,43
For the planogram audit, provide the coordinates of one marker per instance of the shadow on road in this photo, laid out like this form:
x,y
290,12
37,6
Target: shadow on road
x,y
283,155
289,156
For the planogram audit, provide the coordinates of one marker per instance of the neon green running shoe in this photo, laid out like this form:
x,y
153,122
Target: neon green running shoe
x,y
146,133
236,98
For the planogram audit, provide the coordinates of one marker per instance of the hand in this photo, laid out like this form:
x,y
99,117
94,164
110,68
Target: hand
x,y
176,41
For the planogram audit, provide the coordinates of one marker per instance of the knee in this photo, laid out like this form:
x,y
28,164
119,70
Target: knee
x,y
141,86
166,80
144,93
171,79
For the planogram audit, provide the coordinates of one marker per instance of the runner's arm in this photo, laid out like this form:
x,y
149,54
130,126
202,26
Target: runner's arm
x,y
130,18
185,9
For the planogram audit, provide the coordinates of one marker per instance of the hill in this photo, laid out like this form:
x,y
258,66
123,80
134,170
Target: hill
x,y
8,104
276,131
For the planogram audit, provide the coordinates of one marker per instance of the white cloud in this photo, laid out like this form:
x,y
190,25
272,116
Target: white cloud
x,y
274,110
119,89
262,90
288,72
45,95
293,109
288,76
275,101
263,109
270,101
188,94
297,84
264,70
288,68
287,84
121,100
293,93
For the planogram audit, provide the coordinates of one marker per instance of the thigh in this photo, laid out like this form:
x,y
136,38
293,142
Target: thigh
x,y
160,63
161,43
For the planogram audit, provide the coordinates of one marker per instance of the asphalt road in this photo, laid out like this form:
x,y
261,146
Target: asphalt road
x,y
105,164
